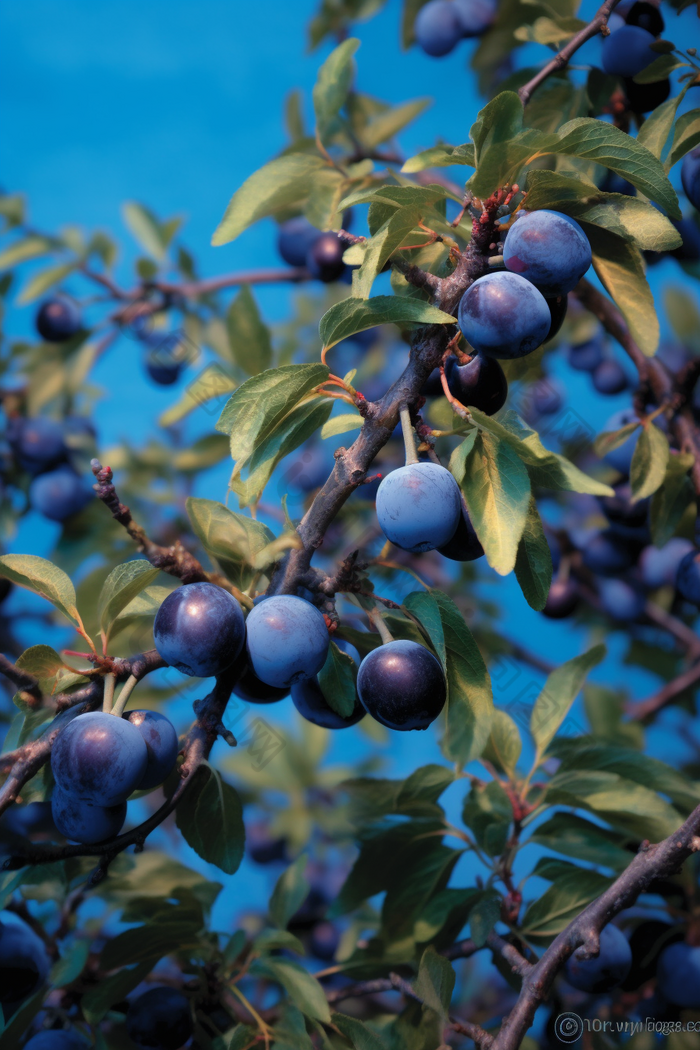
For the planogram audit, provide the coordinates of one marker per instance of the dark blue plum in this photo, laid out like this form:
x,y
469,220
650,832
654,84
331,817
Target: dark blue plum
x,y
475,16
503,315
586,357
614,183
688,577
433,385
82,822
249,687
621,600
162,746
627,51
464,545
549,249
558,308
262,846
5,589
562,599
162,372
59,494
287,640
58,320
419,506
324,941
642,98
609,377
99,758
160,1019
646,15
199,629
607,554
27,819
24,965
678,975
295,238
607,969
312,705
659,566
625,514
401,685
481,383
77,428
438,27
690,176
38,443
324,259
547,398
57,1039
689,250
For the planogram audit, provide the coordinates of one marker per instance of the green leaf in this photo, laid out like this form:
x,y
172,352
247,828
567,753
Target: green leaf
x,y
290,892
670,502
296,427
574,836
50,669
496,486
356,315
332,85
303,989
533,564
341,424
248,335
143,607
620,801
121,586
262,402
435,981
483,917
279,185
439,157
381,246
684,316
659,69
469,698
44,578
559,692
620,269
99,999
488,812
649,462
242,1038
505,745
210,817
212,383
146,228
357,1033
272,940
686,136
173,928
26,248
233,539
41,282
561,903
290,1031
387,124
71,964
337,680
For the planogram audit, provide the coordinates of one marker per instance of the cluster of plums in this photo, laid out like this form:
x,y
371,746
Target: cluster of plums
x,y
46,449
282,646
302,245
98,760
441,24
653,948
634,27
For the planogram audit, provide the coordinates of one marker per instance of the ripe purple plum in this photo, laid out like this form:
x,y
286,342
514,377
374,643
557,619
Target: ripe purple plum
x,y
58,320
82,822
162,746
503,315
438,27
160,1019
419,506
481,383
199,629
59,494
287,640
401,685
627,51
604,971
548,248
99,758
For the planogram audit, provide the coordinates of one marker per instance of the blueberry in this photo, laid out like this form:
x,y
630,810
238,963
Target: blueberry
x,y
475,16
646,15
464,545
287,640
547,398
324,259
607,969
621,600
312,705
642,98
562,599
480,383
162,746
503,315
549,249
99,758
688,577
81,822
160,1019
627,51
607,554
609,377
690,176
678,975
401,685
56,1039
58,320
199,629
24,965
295,238
438,27
659,566
558,308
419,506
59,494
38,443
585,357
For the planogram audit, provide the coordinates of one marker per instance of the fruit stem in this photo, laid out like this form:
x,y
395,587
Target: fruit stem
x,y
127,689
110,682
375,617
409,439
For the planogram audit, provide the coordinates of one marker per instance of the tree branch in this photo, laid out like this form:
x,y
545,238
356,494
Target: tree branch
x,y
563,57
194,289
641,709
26,683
